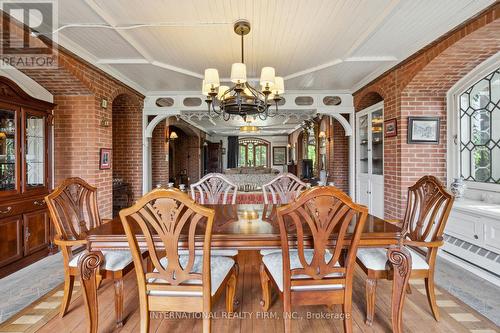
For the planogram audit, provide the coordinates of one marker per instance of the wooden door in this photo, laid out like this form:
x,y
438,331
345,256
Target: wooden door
x,y
11,247
214,157
36,231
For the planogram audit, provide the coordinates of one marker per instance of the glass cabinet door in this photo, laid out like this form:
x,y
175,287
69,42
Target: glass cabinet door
x,y
8,158
35,151
363,144
377,143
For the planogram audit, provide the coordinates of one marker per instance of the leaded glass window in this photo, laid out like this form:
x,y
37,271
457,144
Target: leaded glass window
x,y
480,130
253,152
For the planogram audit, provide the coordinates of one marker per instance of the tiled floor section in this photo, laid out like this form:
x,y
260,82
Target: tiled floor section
x,y
27,285
464,285
40,312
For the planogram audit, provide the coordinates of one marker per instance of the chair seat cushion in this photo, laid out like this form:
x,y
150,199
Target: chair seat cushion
x,y
223,253
114,260
376,259
219,269
274,264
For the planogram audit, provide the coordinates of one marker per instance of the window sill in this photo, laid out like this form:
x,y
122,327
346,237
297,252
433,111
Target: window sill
x,y
477,207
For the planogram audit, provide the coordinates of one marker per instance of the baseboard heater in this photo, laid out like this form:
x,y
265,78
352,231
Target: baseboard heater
x,y
477,256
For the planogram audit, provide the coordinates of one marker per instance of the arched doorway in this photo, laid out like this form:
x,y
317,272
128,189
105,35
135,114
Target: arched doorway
x,y
176,155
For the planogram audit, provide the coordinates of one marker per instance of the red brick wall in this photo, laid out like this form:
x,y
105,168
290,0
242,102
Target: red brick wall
x,y
418,87
338,155
78,88
74,119
158,153
127,141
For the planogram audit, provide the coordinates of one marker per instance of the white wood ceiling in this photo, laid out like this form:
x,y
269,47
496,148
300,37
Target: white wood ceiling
x,y
315,44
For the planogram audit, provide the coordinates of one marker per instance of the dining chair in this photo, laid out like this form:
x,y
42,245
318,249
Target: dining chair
x,y
174,282
316,272
73,211
214,189
427,209
284,188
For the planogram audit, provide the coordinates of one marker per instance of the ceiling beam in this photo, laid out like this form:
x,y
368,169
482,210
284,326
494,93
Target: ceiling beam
x,y
134,43
372,28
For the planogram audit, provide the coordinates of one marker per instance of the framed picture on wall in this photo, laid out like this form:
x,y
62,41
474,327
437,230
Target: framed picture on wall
x,y
279,155
390,128
105,158
423,130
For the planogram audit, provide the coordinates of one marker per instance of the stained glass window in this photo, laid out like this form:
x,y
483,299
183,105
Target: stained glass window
x,y
480,130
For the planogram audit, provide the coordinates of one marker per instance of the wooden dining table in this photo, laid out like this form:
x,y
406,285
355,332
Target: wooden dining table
x,y
242,227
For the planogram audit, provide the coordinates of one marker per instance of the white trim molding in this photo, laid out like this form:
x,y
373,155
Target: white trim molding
x,y
289,109
453,121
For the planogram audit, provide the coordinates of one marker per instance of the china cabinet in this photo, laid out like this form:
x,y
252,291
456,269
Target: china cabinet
x,y
25,127
370,158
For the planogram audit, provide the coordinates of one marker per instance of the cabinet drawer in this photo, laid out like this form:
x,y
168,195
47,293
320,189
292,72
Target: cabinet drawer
x,y
20,207
466,227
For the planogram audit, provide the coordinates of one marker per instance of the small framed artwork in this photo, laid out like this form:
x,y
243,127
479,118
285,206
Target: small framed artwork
x,y
423,130
279,155
390,128
223,151
105,159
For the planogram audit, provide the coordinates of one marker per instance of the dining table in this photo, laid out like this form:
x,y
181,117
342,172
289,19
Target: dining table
x,y
243,227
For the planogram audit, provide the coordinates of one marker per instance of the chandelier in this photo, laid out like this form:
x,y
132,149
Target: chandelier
x,y
242,99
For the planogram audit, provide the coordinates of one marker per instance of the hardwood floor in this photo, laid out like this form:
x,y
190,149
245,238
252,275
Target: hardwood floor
x,y
455,316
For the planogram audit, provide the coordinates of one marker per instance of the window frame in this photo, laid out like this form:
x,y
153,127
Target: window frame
x,y
453,122
258,142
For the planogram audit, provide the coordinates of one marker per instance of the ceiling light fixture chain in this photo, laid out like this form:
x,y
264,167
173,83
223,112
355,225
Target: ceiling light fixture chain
x,y
242,99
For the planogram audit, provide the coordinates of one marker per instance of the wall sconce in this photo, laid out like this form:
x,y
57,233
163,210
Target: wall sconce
x,y
173,136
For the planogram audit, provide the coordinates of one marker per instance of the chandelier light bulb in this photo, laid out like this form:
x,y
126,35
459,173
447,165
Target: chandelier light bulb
x,y
238,73
267,77
205,89
279,85
212,78
222,90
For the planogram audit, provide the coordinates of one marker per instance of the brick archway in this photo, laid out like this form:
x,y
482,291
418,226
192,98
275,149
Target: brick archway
x,y
426,95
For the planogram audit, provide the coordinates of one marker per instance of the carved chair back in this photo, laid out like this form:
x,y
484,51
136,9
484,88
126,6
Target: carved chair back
x,y
73,211
427,210
214,188
171,216
285,188
73,208
311,221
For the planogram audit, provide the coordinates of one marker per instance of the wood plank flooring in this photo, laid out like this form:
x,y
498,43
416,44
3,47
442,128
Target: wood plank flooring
x,y
455,315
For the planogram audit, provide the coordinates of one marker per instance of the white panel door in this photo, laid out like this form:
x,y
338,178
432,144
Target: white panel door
x,y
377,196
363,190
